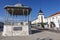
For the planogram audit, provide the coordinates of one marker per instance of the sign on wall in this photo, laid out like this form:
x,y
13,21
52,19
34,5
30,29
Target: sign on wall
x,y
17,28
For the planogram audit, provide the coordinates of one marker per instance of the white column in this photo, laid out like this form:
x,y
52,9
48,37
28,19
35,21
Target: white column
x,y
23,15
27,15
12,16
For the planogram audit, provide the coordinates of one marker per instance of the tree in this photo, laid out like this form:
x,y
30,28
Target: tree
x,y
52,24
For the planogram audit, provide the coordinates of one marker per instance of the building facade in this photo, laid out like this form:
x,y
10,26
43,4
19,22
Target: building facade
x,y
52,21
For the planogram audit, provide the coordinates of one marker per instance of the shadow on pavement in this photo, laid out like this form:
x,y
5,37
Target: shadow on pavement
x,y
36,31
48,38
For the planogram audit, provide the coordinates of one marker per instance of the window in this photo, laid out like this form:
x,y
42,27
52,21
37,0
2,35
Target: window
x,y
56,17
53,18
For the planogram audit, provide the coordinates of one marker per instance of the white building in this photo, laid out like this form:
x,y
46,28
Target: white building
x,y
52,21
40,18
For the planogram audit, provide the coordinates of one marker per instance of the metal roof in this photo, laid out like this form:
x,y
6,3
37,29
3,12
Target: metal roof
x,y
18,9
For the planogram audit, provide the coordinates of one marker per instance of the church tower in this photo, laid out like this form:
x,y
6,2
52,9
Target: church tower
x,y
41,16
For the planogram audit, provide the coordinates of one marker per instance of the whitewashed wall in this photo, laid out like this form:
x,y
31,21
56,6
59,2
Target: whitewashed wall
x,y
55,19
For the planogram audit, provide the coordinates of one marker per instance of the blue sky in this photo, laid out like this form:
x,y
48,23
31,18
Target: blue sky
x,y
48,6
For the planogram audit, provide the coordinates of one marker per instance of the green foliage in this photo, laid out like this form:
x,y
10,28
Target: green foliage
x,y
52,24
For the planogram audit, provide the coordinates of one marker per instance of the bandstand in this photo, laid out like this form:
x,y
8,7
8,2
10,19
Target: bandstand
x,y
14,28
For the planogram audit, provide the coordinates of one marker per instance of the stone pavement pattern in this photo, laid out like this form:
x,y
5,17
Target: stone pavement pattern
x,y
37,36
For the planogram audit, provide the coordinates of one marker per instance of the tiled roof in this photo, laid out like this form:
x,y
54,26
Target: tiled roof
x,y
54,14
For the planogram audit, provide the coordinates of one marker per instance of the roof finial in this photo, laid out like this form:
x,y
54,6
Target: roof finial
x,y
40,11
18,4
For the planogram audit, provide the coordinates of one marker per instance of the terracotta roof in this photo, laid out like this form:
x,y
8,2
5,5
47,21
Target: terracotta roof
x,y
55,14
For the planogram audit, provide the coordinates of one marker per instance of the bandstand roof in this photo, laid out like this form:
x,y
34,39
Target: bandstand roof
x,y
18,9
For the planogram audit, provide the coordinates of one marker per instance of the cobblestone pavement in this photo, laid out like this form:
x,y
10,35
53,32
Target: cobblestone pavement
x,y
40,35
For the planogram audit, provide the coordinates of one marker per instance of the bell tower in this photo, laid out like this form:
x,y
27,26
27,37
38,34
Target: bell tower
x,y
41,16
